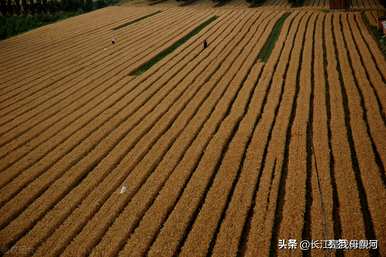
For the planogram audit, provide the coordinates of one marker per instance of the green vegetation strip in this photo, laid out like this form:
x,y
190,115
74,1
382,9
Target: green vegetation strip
x,y
144,67
271,41
134,21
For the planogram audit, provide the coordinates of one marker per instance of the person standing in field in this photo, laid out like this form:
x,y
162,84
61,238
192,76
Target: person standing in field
x,y
205,44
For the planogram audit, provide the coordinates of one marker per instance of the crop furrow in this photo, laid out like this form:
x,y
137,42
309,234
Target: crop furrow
x,y
209,218
251,173
371,190
348,206
49,52
293,133
104,215
166,189
104,211
376,54
336,221
107,162
100,63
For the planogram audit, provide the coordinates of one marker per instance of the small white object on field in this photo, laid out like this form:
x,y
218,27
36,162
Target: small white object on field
x,y
123,189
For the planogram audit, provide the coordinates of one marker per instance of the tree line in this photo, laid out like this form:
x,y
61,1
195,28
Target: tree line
x,y
23,7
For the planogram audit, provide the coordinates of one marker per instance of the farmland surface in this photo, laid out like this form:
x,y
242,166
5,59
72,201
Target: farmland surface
x,y
218,151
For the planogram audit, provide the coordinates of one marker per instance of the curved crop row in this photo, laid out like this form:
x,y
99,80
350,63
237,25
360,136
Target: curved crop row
x,y
165,79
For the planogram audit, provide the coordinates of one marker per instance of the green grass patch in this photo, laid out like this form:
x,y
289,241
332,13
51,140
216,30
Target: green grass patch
x,y
13,25
378,35
266,51
136,20
144,67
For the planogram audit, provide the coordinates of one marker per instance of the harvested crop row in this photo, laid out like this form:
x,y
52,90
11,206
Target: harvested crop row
x,y
37,47
261,222
87,65
108,53
375,124
374,108
348,196
368,181
171,155
100,35
58,72
39,55
298,183
13,170
68,160
57,37
216,76
87,47
58,132
177,225
376,53
115,203
113,71
124,165
50,30
203,231
18,41
323,189
106,39
373,74
54,107
232,227
129,219
108,163
277,161
208,152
